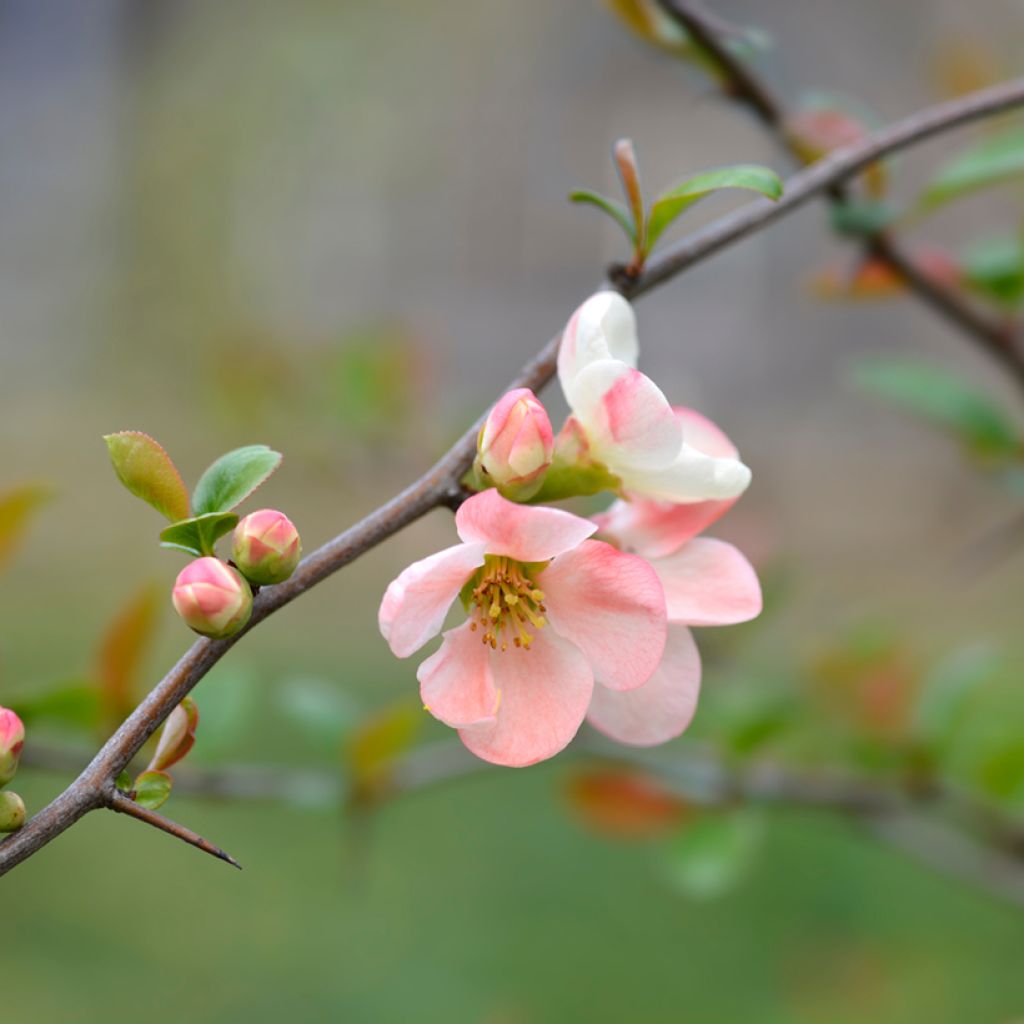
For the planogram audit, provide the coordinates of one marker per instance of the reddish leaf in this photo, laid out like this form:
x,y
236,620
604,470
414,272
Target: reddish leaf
x,y
178,736
624,804
148,472
17,505
122,650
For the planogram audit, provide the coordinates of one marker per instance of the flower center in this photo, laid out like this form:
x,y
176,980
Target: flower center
x,y
506,604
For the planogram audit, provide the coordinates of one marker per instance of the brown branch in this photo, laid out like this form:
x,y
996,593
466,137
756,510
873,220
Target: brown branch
x,y
990,333
439,486
123,804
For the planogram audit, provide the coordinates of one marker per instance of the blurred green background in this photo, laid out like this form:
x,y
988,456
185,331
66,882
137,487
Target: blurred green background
x,y
338,228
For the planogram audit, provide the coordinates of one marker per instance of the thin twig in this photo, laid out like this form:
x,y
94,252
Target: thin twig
x,y
123,804
992,334
439,486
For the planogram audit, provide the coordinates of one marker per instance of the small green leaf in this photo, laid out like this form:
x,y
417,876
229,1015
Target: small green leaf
x,y
995,267
947,690
942,397
198,536
75,703
991,162
672,203
152,789
233,477
614,209
713,853
148,472
124,781
859,218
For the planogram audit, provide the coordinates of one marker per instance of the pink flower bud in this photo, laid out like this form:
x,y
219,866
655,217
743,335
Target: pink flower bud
x,y
12,739
12,812
212,598
516,443
266,547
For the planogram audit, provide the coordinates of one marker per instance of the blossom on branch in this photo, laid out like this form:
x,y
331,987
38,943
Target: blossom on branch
x,y
550,613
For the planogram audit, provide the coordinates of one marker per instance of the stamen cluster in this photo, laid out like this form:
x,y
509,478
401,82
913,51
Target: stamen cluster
x,y
507,603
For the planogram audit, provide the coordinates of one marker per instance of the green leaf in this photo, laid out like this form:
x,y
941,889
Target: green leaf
x,y
669,205
124,781
198,536
152,789
859,218
947,690
943,398
713,853
17,506
997,159
614,209
148,472
995,268
233,477
75,703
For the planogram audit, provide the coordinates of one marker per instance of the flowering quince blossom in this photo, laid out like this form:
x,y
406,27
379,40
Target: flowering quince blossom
x,y
707,582
551,613
516,443
621,419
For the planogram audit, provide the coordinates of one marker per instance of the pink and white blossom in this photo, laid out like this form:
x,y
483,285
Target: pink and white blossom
x,y
624,419
516,441
551,613
707,582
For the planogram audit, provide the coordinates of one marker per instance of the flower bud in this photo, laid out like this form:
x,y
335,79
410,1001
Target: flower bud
x,y
12,812
12,739
212,598
515,445
266,547
178,736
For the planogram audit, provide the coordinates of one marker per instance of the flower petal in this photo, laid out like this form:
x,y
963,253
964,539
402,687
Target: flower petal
x,y
700,433
417,601
692,477
611,605
523,532
544,694
455,681
659,710
627,419
654,529
709,583
604,327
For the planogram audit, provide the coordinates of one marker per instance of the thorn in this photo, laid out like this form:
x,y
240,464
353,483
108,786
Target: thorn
x,y
121,803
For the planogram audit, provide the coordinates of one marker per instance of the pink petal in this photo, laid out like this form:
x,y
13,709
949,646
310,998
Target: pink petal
x,y
659,710
610,605
627,419
416,603
604,327
709,583
543,695
692,476
455,681
704,435
523,532
657,528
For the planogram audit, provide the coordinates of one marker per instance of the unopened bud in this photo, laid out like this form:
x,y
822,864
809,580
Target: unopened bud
x,y
12,812
212,598
178,736
12,739
516,443
266,547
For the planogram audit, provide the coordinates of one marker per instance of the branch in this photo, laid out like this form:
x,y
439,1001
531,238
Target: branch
x,y
440,487
993,335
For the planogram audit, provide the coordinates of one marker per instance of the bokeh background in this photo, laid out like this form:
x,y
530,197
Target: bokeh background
x,y
338,228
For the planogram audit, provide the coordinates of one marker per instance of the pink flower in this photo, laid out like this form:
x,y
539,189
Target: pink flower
x,y
624,420
212,598
550,614
12,739
707,582
516,441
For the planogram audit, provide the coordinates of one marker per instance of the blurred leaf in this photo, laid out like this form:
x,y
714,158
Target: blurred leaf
x,y
995,267
947,690
75,703
1000,768
615,210
17,506
123,647
859,218
233,477
177,737
148,472
378,741
669,205
713,853
229,696
323,711
198,536
871,278
624,804
152,789
943,398
992,161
